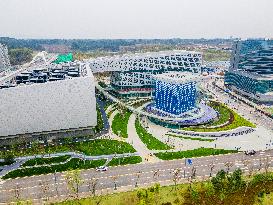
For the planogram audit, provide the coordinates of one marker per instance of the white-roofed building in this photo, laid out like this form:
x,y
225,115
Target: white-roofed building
x,y
51,109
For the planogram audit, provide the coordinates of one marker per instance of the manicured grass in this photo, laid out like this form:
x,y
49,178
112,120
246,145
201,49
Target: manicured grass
x,y
192,138
43,161
105,147
148,139
102,84
99,125
72,164
224,113
119,124
125,160
93,148
6,163
236,122
192,153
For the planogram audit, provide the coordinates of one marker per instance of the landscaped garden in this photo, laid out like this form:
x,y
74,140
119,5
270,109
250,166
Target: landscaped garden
x,y
99,125
45,161
120,122
92,148
200,152
148,139
235,121
125,160
192,138
56,164
74,163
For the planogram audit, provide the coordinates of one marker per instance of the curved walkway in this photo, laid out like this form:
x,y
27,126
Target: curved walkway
x,y
136,142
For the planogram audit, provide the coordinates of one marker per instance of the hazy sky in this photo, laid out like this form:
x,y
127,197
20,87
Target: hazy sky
x,y
136,18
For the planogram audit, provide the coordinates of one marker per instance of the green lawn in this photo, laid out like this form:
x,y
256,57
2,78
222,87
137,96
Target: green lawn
x,y
148,139
224,113
44,161
192,153
238,121
92,148
102,84
125,160
72,164
99,125
6,163
192,138
119,124
216,55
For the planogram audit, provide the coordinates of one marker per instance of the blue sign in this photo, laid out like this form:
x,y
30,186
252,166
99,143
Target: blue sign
x,y
189,161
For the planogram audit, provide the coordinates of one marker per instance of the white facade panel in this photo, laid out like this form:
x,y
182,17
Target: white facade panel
x,y
51,106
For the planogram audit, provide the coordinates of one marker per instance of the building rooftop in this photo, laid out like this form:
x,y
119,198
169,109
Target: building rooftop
x,y
44,75
177,77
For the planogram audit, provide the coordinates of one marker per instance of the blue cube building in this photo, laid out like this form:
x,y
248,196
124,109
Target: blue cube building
x,y
175,92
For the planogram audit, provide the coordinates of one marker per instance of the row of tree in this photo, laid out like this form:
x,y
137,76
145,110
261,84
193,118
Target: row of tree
x,y
19,56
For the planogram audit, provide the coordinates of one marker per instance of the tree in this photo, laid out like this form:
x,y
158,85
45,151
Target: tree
x,y
114,178
92,185
121,109
74,180
193,172
266,164
45,188
228,165
19,56
156,174
17,192
176,177
249,166
211,167
138,176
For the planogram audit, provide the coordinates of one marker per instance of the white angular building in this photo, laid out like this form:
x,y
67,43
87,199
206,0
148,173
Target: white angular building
x,y
49,110
4,57
132,74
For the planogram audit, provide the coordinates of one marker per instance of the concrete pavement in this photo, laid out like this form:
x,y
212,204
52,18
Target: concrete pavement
x,y
136,142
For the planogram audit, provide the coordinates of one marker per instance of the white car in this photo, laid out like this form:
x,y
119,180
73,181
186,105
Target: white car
x,y
102,169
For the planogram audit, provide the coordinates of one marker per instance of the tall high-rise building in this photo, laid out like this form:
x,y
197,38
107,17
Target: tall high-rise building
x,y
4,57
251,69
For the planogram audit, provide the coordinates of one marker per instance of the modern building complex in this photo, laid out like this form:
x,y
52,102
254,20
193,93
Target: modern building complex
x,y
251,70
4,57
131,75
175,101
175,92
42,108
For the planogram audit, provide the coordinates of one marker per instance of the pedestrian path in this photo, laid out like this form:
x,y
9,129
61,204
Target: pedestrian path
x,y
136,142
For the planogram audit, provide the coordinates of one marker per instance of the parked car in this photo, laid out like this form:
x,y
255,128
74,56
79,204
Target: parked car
x,y
102,169
250,152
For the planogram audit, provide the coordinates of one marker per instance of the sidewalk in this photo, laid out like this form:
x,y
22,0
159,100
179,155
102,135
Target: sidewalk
x,y
136,142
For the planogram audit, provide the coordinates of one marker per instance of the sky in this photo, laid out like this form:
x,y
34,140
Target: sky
x,y
124,19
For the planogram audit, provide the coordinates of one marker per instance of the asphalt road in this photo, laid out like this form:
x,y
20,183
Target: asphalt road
x,y
125,177
242,108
